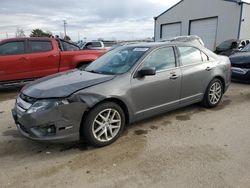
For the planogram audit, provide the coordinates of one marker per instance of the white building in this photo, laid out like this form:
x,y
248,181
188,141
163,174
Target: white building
x,y
213,20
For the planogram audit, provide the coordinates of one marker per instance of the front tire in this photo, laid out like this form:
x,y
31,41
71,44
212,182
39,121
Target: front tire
x,y
103,124
213,94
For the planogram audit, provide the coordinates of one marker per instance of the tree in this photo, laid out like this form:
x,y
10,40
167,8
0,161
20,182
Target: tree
x,y
40,33
20,32
67,38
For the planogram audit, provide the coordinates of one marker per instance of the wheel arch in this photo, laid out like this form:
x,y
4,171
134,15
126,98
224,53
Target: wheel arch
x,y
121,104
114,100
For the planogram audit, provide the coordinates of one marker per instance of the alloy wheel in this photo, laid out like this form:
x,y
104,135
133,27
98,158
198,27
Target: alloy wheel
x,y
215,93
106,125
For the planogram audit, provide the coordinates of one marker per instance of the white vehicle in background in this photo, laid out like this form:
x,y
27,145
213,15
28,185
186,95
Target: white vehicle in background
x,y
192,38
93,45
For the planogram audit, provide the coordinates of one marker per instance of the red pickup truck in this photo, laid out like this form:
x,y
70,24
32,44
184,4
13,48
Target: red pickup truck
x,y
24,59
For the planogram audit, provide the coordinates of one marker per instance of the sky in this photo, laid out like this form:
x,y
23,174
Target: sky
x,y
93,19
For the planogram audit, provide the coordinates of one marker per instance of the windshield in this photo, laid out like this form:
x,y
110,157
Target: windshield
x,y
117,61
246,49
225,45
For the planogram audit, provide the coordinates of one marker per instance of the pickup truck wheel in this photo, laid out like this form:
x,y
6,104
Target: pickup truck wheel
x,y
104,124
213,94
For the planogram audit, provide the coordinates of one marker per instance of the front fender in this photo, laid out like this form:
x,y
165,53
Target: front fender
x,y
93,99
88,98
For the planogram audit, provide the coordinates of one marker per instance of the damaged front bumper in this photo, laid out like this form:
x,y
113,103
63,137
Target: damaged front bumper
x,y
61,123
240,74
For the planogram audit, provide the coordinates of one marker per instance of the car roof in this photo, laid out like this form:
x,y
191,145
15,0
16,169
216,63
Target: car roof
x,y
154,45
25,38
182,38
160,44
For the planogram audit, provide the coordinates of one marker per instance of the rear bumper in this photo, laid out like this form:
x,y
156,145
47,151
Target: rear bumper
x,y
61,124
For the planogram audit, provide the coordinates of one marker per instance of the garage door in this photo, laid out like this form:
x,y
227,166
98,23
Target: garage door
x,y
206,29
170,30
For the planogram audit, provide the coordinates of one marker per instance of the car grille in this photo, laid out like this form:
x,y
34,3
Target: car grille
x,y
243,65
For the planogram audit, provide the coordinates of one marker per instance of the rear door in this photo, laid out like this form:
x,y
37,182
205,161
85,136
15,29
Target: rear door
x,y
44,57
196,72
161,92
14,61
68,53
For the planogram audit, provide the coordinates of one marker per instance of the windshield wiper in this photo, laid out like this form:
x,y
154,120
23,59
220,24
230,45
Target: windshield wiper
x,y
93,71
100,72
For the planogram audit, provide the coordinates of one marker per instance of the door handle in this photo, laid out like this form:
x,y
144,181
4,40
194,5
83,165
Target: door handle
x,y
208,68
173,76
50,56
23,59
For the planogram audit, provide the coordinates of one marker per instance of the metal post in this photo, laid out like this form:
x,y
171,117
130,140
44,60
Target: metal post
x,y
64,25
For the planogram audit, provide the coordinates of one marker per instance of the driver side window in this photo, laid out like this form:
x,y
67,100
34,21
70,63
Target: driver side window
x,y
12,48
161,59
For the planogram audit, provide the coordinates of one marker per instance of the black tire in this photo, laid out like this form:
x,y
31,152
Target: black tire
x,y
88,126
207,101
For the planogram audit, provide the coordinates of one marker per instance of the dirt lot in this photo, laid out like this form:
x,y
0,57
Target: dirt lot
x,y
191,147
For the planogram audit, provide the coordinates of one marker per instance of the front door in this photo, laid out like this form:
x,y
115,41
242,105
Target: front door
x,y
44,58
155,94
14,61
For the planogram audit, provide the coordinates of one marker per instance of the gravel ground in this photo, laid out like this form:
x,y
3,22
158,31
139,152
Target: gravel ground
x,y
191,147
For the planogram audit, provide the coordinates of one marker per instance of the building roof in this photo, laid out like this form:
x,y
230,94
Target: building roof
x,y
168,9
232,1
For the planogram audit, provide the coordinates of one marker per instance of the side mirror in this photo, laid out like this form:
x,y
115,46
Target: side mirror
x,y
147,71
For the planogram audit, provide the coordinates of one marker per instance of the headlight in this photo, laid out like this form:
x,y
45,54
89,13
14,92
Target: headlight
x,y
45,105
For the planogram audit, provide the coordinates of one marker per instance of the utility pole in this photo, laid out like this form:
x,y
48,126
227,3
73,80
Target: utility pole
x,y
64,25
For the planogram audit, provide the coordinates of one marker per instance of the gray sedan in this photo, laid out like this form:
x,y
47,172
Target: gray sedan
x,y
125,85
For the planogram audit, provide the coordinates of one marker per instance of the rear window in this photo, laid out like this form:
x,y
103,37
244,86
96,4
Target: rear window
x,y
190,55
12,48
246,49
225,45
96,44
69,47
40,46
92,45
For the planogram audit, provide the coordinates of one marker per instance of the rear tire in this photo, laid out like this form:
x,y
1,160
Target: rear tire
x,y
103,124
213,94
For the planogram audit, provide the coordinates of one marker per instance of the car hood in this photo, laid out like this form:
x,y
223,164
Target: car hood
x,y
241,57
64,84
